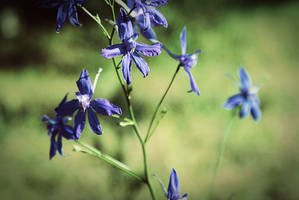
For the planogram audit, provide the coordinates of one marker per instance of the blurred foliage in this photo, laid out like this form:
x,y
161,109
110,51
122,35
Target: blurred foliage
x,y
39,66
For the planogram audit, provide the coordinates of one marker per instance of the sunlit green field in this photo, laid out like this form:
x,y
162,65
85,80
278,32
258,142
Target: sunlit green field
x,y
261,160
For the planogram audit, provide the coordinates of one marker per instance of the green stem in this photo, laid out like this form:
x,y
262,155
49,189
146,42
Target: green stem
x,y
222,146
149,134
97,20
131,111
95,152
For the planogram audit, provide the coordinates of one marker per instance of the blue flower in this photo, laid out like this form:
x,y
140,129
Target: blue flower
x,y
174,187
83,104
58,128
247,98
147,16
65,7
186,60
129,48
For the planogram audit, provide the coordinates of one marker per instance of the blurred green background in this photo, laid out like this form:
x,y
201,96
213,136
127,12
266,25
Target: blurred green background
x,y
38,67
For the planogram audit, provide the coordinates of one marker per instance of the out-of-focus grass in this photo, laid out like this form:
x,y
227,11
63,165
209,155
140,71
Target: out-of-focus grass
x,y
261,159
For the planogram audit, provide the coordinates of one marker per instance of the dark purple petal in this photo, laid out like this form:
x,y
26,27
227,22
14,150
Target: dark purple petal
x,y
174,186
59,144
126,67
255,108
45,118
245,79
68,108
148,33
130,3
84,83
157,17
112,51
146,21
245,109
234,101
68,132
176,57
141,64
72,13
104,107
183,41
53,147
61,103
148,50
125,27
81,2
94,122
185,195
157,3
192,81
61,15
79,123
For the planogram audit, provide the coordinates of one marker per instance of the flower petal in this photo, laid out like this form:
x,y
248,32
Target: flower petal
x,y
61,15
72,14
104,107
130,3
234,101
81,2
94,122
126,67
125,27
141,64
183,41
245,79
61,103
84,83
112,51
148,50
192,81
174,186
157,17
53,147
59,144
245,109
148,33
79,123
176,57
255,108
68,108
68,132
157,3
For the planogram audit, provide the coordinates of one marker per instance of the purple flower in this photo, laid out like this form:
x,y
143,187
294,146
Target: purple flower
x,y
58,128
65,7
84,105
186,60
247,98
147,16
130,49
174,187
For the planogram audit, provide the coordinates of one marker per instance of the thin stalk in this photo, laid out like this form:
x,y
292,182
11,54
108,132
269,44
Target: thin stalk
x,y
148,134
95,152
222,146
131,111
97,20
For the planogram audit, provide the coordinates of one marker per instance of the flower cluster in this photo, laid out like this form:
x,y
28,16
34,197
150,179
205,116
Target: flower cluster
x,y
145,16
130,49
58,128
83,104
